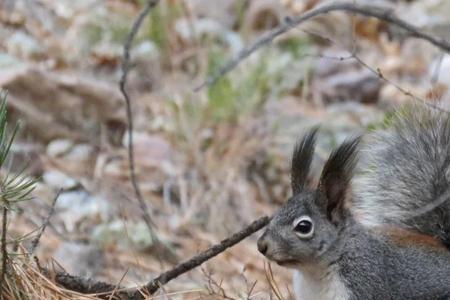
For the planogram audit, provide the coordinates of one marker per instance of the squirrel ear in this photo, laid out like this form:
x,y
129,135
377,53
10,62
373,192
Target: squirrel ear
x,y
301,160
335,179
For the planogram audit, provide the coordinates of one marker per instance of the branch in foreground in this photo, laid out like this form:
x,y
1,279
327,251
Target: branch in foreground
x,y
3,248
122,85
36,240
88,286
199,259
365,10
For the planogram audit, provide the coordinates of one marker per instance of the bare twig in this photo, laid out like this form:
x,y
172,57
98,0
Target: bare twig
x,y
215,288
271,281
88,286
4,250
35,241
83,285
376,71
366,10
122,85
199,259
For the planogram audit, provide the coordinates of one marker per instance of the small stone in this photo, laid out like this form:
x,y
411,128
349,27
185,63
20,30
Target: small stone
x,y
59,180
81,153
59,147
75,206
211,28
116,233
79,259
145,50
150,150
8,61
141,236
22,45
357,85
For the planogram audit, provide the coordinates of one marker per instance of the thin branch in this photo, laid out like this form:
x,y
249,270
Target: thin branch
x,y
82,285
4,250
88,286
122,85
366,10
35,241
377,72
199,259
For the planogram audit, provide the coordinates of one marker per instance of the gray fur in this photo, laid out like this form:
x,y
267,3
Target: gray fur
x,y
375,267
344,258
408,170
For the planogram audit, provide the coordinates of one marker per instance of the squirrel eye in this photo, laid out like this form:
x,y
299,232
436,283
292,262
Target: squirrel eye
x,y
304,227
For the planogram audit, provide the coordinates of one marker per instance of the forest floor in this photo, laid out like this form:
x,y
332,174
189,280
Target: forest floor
x,y
209,161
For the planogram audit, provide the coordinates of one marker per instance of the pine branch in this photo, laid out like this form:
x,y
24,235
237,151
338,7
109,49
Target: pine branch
x,y
3,248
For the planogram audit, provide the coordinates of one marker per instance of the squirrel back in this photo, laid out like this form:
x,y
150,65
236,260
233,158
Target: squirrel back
x,y
406,179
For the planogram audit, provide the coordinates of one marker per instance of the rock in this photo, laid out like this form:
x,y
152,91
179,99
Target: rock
x,y
53,104
68,9
149,150
24,46
145,50
8,61
224,11
59,180
146,73
79,259
123,235
75,206
80,153
112,233
59,147
355,85
93,30
210,28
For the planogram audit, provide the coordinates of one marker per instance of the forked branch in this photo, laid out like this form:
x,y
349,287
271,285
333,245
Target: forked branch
x,y
362,9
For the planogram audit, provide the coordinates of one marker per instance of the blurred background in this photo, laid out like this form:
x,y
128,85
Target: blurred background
x,y
208,161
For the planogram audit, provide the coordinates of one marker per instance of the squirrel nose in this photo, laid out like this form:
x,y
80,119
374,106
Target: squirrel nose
x,y
262,246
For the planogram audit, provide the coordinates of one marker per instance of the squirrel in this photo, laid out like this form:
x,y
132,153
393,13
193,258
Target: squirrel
x,y
384,234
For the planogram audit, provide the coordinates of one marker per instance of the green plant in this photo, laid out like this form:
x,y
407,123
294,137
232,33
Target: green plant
x,y
160,24
294,45
241,93
17,187
14,188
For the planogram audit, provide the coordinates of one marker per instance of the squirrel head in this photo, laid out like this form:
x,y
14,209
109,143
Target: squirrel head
x,y
309,223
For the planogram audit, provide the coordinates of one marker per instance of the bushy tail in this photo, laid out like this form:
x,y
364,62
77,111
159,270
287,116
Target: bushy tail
x,y
406,180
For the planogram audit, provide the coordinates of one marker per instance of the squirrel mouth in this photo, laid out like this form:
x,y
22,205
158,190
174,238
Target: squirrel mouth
x,y
286,262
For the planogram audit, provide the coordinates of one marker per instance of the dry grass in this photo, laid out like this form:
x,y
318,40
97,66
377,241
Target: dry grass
x,y
25,280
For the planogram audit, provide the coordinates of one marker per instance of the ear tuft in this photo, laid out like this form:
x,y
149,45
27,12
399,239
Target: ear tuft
x,y
336,176
301,160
